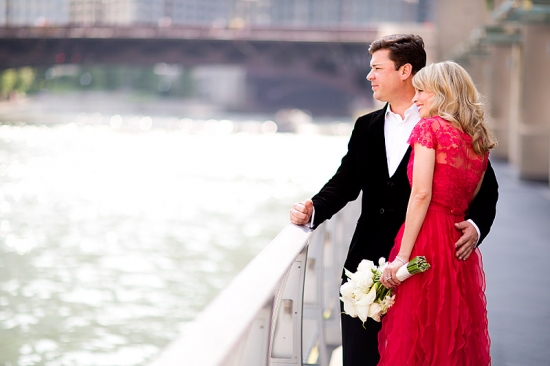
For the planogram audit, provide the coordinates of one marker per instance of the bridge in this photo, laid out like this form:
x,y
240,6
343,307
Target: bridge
x,y
330,60
39,46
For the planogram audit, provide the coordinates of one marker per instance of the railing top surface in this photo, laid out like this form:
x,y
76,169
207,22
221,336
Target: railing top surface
x,y
360,35
211,337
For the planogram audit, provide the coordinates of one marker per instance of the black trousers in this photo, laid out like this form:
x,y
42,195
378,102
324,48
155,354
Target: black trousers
x,y
359,345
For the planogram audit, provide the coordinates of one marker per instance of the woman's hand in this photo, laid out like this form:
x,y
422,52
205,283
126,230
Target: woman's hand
x,y
389,276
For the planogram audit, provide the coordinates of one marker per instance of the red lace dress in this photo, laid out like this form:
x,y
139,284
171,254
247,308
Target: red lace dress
x,y
440,317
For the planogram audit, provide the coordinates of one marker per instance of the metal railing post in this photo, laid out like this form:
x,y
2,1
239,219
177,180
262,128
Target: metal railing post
x,y
286,342
313,335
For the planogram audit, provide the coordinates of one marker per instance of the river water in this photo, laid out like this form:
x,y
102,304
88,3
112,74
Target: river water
x,y
117,229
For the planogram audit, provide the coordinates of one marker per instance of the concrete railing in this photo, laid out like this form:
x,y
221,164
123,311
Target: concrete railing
x,y
281,309
362,35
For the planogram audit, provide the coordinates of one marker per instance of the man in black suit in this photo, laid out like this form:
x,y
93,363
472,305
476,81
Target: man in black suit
x,y
376,165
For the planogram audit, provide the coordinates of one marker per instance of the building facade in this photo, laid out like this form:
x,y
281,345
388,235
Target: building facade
x,y
150,12
348,12
34,12
115,12
300,13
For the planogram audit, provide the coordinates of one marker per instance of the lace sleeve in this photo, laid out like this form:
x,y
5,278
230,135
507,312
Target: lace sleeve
x,y
424,134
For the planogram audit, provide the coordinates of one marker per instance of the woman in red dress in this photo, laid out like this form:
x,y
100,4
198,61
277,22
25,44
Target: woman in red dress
x,y
439,317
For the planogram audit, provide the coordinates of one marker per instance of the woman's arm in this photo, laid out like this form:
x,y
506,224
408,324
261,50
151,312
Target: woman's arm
x,y
421,195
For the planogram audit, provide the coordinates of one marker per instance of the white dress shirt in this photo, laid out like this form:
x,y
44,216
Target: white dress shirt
x,y
396,133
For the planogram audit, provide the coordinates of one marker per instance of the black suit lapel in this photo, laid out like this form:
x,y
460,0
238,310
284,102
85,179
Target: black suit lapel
x,y
404,161
379,142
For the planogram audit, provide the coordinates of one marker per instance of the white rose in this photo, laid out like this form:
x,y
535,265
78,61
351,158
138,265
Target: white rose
x,y
349,306
366,266
363,280
347,289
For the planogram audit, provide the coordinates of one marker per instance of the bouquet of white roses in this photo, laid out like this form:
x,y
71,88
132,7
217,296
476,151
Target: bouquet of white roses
x,y
365,297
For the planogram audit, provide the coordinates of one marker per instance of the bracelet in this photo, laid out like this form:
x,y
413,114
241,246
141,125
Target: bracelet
x,y
400,260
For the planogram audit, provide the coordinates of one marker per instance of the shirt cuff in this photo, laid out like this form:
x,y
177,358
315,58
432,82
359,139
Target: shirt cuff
x,y
310,223
478,232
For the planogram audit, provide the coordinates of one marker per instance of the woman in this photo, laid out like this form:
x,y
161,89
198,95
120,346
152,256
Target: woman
x,y
440,317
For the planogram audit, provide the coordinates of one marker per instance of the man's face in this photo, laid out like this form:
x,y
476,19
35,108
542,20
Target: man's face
x,y
386,81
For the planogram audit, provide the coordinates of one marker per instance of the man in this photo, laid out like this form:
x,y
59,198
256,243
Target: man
x,y
376,165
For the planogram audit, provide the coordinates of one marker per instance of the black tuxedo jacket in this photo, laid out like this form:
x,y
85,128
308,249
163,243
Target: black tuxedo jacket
x,y
384,200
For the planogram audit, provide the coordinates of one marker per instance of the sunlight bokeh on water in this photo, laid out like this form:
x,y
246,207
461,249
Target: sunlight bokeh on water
x,y
111,238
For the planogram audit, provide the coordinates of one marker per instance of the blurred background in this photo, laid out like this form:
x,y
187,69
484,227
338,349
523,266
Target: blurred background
x,y
150,148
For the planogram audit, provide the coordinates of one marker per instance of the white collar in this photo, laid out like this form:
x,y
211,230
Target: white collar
x,y
412,109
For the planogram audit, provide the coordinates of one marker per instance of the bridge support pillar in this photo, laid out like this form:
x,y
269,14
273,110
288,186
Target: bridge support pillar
x,y
498,94
532,90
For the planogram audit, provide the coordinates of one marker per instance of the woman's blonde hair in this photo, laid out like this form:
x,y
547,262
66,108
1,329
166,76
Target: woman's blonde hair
x,y
457,100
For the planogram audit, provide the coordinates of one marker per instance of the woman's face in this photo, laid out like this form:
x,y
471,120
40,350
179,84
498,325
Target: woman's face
x,y
423,100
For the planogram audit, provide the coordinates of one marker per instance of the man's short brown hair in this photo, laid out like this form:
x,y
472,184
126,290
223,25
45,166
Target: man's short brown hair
x,y
404,49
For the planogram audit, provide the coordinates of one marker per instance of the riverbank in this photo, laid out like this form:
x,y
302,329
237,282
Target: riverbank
x,y
134,112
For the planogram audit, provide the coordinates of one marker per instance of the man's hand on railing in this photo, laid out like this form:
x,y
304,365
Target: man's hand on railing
x,y
300,213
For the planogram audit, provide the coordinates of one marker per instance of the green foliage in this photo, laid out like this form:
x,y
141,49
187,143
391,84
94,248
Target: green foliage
x,y
25,79
8,80
143,79
16,80
140,79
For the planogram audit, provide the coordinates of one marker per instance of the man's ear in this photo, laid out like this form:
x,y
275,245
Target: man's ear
x,y
406,71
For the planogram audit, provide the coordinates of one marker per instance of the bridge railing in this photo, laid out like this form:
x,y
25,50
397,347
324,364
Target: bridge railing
x,y
281,309
359,35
